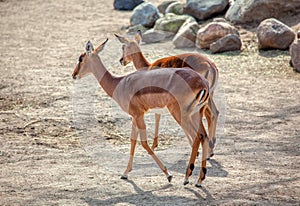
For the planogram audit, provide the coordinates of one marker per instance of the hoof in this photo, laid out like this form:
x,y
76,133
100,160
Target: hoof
x,y
185,182
198,185
212,154
170,177
124,177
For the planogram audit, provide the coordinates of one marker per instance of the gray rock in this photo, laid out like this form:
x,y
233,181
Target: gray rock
x,y
171,22
164,5
295,55
175,8
213,32
204,9
273,34
126,4
145,14
251,11
134,29
153,36
186,36
230,42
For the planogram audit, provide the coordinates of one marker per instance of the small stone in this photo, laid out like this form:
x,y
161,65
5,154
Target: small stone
x,y
153,36
230,42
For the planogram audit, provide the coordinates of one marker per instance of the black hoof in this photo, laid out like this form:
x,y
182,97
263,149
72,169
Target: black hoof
x,y
198,185
124,177
170,178
186,182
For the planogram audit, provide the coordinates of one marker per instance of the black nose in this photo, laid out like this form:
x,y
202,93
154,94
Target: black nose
x,y
122,61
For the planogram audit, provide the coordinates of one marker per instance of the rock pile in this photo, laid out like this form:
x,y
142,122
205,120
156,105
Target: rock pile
x,y
184,24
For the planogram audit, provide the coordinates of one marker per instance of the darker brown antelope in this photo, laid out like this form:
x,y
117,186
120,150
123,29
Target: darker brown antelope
x,y
194,61
183,92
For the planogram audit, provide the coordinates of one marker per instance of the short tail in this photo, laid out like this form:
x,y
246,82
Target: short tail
x,y
201,99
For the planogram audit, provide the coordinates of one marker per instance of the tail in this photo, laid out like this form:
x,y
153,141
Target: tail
x,y
215,72
201,99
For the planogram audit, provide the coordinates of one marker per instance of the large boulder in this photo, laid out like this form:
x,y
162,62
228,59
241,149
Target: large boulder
x,y
144,14
175,8
213,32
186,36
273,34
126,4
171,22
164,5
295,55
250,11
204,9
230,42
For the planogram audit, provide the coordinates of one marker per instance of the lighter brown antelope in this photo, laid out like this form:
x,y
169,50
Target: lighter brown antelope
x,y
183,92
195,61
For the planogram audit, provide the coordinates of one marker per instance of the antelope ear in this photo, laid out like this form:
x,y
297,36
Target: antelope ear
x,y
122,39
138,36
89,48
101,46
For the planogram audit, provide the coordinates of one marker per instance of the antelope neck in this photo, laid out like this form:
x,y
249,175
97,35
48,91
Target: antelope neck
x,y
139,61
107,81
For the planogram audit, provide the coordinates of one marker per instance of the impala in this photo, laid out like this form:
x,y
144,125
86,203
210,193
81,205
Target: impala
x,y
183,92
197,62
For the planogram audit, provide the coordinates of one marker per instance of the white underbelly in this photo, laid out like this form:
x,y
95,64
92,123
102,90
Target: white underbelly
x,y
158,110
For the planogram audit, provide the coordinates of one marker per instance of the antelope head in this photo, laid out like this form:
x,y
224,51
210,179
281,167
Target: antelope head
x,y
87,60
129,47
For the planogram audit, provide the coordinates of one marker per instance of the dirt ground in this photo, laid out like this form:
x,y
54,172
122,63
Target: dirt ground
x,y
64,142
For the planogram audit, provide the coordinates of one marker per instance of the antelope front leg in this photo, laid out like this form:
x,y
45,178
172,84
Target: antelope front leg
x,y
143,135
133,139
155,140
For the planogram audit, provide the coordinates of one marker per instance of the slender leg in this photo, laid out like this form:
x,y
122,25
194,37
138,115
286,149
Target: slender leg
x,y
155,140
191,164
133,139
208,116
202,175
143,135
204,142
214,120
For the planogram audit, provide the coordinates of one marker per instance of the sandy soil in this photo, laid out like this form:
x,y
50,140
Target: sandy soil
x,y
66,143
